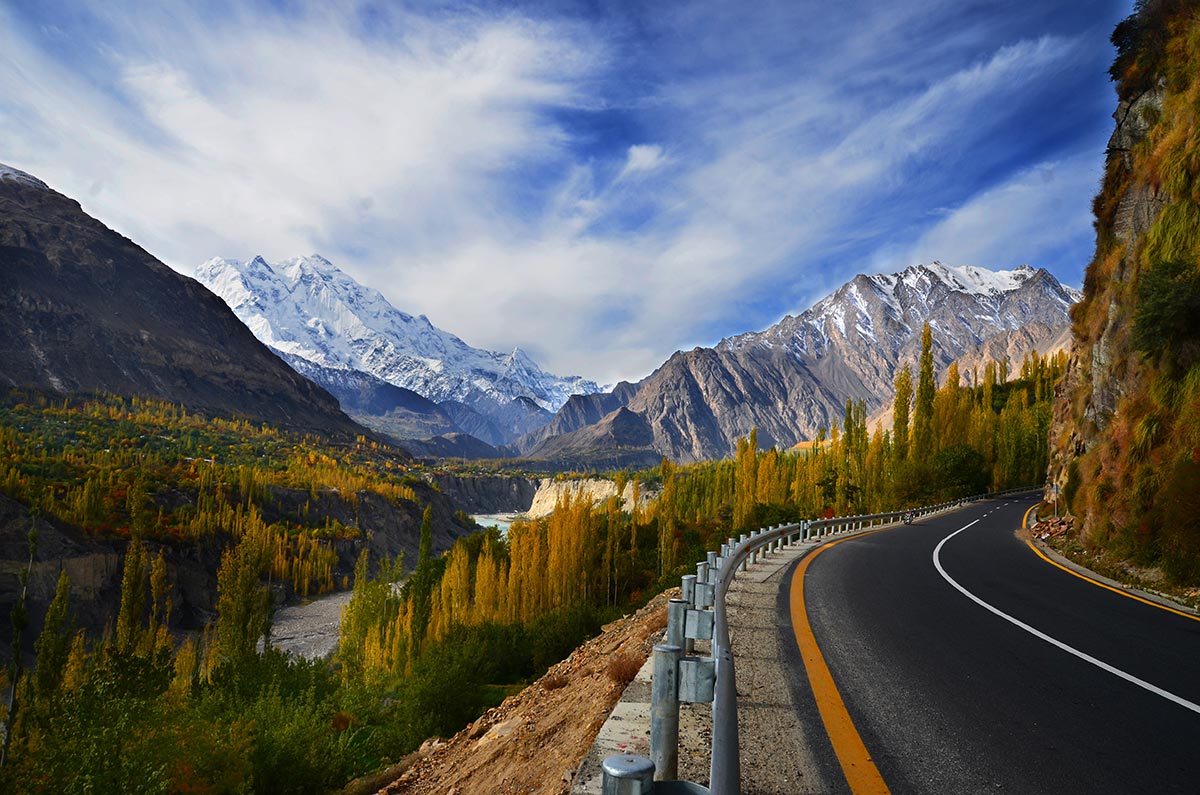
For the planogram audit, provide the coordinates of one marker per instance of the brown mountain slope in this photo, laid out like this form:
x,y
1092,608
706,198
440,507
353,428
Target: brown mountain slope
x,y
84,309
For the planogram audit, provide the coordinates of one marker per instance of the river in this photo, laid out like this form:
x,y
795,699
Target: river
x,y
499,520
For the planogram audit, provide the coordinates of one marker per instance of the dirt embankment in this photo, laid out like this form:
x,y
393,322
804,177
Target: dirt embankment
x,y
533,742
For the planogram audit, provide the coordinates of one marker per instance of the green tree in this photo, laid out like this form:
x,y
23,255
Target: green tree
x,y
922,433
242,602
133,597
423,579
54,644
1165,323
960,471
902,406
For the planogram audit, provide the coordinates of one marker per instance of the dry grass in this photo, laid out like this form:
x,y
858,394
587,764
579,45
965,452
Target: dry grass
x,y
623,667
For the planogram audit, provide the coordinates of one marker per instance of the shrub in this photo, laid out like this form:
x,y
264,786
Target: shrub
x,y
622,668
1164,323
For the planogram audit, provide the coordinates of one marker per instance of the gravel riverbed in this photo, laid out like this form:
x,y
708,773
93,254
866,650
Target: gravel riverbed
x,y
310,630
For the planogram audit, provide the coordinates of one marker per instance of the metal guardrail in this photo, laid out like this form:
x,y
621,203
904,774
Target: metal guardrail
x,y
700,614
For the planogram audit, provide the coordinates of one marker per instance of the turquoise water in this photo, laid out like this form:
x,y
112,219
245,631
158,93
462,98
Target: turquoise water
x,y
500,520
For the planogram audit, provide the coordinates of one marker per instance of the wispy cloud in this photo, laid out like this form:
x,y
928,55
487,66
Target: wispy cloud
x,y
598,187
643,158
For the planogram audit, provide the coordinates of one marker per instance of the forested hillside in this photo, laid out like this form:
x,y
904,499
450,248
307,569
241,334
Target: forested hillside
x,y
1127,434
423,652
552,576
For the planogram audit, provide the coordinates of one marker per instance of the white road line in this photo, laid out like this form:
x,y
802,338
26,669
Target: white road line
x,y
1183,702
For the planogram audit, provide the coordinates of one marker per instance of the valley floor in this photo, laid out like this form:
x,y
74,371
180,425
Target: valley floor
x,y
310,630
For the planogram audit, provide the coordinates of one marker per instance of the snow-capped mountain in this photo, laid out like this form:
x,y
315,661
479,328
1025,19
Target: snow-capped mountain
x,y
307,307
793,378
964,305
86,310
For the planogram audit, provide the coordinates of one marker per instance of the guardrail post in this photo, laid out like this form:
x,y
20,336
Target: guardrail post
x,y
627,775
676,615
664,712
687,589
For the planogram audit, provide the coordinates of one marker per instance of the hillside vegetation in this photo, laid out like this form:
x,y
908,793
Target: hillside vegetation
x,y
551,577
138,708
121,700
1127,437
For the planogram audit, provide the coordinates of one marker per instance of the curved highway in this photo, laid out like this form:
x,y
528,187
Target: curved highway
x,y
983,668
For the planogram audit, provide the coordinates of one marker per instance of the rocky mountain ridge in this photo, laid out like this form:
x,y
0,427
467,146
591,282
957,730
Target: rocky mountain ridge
x,y
86,310
795,377
1126,436
309,308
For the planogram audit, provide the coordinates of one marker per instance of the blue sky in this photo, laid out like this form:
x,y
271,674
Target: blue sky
x,y
600,183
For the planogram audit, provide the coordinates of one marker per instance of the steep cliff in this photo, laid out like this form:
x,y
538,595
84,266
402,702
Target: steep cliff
x,y
551,492
1127,433
487,493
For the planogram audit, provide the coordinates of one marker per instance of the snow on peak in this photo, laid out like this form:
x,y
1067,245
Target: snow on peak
x,y
308,307
966,278
881,312
16,175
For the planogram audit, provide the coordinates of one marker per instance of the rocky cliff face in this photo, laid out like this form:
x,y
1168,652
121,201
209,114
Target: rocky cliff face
x,y
84,309
551,492
535,497
488,493
1126,439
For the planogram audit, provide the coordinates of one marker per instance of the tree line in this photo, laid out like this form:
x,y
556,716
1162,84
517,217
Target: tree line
x,y
424,650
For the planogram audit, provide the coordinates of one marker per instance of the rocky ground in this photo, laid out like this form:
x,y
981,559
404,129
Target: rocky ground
x,y
532,743
310,630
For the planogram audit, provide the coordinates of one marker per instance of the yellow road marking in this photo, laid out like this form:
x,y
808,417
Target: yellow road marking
x,y
1106,586
861,773
1025,518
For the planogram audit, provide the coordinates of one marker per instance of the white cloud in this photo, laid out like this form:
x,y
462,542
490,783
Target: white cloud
x,y
1028,219
435,164
287,134
643,158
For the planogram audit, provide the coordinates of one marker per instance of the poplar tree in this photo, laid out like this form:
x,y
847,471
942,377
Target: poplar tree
x,y
901,409
133,597
242,601
422,580
922,434
54,644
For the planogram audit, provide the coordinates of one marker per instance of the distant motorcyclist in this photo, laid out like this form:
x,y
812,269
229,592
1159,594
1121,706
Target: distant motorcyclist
x,y
908,517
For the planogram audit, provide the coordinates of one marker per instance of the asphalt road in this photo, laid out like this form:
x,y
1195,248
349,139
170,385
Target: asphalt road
x,y
950,697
